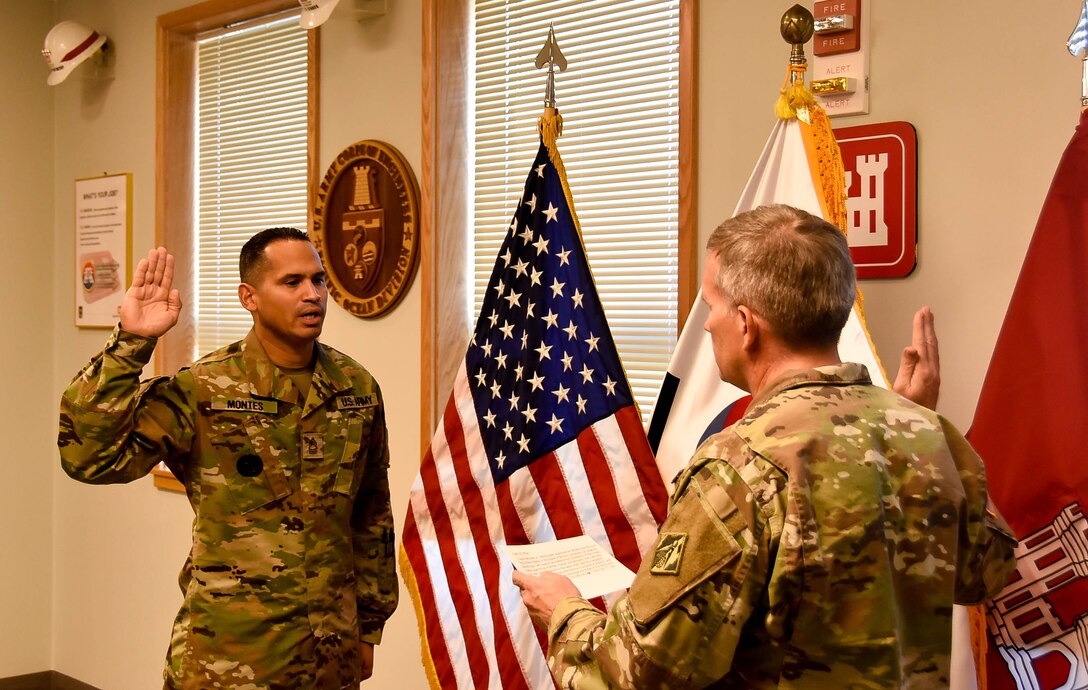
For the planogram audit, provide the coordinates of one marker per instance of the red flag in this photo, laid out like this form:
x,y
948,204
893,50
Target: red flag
x,y
1029,427
540,440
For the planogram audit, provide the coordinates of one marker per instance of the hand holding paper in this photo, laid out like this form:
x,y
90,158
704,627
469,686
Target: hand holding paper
x,y
542,593
592,570
550,572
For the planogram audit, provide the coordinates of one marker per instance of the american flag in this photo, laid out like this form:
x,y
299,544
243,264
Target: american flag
x,y
540,440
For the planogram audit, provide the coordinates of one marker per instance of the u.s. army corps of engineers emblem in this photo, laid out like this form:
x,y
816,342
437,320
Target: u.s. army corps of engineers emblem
x,y
366,223
670,549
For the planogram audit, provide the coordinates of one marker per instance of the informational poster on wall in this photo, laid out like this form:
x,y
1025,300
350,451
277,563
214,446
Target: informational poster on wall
x,y
103,245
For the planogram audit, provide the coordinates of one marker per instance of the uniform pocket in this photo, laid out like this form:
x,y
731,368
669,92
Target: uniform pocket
x,y
254,482
251,461
352,461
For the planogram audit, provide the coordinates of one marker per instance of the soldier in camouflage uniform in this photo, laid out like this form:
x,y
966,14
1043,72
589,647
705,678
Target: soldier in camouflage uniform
x,y
819,542
281,445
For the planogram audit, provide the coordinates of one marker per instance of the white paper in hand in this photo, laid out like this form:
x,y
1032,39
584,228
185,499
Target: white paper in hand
x,y
594,571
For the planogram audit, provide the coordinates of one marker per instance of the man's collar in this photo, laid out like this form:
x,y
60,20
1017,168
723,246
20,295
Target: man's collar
x,y
845,374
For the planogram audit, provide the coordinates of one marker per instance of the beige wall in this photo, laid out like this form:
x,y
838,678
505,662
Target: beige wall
x,y
989,87
117,549
994,96
27,400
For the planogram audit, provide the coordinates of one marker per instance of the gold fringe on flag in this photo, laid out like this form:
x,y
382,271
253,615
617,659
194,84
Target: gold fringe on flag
x,y
409,577
979,642
832,180
550,126
797,102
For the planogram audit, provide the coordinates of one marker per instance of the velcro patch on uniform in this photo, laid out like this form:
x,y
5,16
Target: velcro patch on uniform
x,y
670,549
246,405
354,402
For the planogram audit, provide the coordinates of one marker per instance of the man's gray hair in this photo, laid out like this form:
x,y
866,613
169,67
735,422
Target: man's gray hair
x,y
790,267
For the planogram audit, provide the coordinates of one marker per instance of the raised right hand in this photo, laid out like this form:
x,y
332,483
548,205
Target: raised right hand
x,y
919,377
151,307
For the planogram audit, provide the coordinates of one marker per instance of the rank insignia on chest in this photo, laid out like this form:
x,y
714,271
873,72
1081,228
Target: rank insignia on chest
x,y
670,549
313,446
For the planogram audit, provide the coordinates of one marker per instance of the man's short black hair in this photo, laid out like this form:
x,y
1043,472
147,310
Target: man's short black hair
x,y
251,259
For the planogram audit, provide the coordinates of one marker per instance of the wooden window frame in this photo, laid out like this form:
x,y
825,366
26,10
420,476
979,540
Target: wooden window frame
x,y
175,121
444,188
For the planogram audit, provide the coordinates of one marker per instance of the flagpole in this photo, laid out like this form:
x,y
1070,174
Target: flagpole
x,y
1078,45
1084,83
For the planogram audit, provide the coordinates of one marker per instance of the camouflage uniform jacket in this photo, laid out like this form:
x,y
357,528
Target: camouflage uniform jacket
x,y
819,542
292,558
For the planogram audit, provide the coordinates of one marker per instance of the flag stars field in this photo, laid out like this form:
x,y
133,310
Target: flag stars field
x,y
528,274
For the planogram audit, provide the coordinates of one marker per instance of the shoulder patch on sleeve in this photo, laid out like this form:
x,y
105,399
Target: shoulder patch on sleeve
x,y
693,545
670,549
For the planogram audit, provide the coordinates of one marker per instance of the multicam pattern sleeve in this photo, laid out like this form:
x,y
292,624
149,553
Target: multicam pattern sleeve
x,y
986,551
373,538
681,622
113,428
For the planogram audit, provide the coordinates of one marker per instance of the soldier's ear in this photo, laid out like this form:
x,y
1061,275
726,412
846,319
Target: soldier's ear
x,y
246,297
750,327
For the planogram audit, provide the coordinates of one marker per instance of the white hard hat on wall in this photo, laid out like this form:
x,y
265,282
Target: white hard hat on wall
x,y
315,12
66,46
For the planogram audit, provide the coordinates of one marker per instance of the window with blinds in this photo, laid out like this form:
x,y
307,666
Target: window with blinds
x,y
251,151
619,98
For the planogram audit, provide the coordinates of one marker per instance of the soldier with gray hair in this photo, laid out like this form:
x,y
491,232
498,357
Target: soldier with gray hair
x,y
820,541
281,445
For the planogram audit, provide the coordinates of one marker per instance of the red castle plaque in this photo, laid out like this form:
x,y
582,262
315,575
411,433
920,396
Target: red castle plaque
x,y
881,197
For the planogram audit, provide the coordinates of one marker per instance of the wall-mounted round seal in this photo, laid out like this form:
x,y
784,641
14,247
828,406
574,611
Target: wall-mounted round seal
x,y
366,227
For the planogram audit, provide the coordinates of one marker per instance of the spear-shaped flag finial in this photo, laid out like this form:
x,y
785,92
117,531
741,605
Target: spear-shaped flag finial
x,y
551,56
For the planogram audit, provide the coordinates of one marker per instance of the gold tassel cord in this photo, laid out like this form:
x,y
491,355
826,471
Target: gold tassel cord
x,y
796,101
795,98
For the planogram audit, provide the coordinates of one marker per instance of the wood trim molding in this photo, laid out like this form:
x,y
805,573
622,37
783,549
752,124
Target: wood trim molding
x,y
174,96
213,14
427,267
688,267
444,213
313,107
174,125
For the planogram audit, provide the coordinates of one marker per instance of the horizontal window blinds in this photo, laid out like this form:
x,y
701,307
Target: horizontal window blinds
x,y
252,85
619,98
